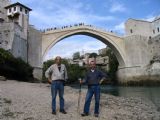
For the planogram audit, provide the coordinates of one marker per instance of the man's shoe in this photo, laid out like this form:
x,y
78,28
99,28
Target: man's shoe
x,y
84,114
54,112
96,115
63,111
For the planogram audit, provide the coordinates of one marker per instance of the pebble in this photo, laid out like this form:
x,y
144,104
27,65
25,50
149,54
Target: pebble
x,y
32,101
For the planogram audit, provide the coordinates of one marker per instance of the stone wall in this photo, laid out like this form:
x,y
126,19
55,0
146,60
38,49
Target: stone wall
x,y
143,59
19,47
6,35
141,27
136,48
3,11
138,27
156,26
35,51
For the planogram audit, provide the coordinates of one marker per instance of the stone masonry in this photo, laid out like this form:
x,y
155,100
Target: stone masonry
x,y
137,52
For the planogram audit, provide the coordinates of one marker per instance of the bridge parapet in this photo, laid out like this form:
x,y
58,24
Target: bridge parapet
x,y
76,26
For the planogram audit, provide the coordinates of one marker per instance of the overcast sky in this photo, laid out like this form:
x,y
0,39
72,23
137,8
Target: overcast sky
x,y
105,14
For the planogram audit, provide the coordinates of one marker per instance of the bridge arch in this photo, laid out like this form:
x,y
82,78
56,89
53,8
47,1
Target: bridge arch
x,y
114,42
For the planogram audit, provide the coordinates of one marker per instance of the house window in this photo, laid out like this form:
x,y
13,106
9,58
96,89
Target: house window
x,y
14,8
21,9
153,31
158,29
10,10
26,11
131,31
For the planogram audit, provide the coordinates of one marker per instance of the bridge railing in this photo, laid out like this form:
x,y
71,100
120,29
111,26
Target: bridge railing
x,y
74,26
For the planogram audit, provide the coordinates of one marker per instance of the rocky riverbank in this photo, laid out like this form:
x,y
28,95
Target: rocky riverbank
x,y
32,101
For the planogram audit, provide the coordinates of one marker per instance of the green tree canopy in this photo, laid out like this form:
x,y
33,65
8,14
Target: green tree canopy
x,y
76,55
14,68
93,55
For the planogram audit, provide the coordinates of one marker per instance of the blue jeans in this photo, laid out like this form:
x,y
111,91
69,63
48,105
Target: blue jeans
x,y
57,86
93,89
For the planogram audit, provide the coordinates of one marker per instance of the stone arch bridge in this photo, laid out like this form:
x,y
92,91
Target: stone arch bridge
x,y
131,51
116,43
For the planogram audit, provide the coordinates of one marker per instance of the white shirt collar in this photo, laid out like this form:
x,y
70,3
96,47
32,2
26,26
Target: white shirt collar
x,y
92,70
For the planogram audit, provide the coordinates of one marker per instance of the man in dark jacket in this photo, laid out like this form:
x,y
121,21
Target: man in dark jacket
x,y
93,79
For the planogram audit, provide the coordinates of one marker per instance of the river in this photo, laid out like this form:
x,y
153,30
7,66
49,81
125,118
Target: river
x,y
151,93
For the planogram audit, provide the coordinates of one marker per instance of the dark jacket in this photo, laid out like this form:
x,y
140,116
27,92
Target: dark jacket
x,y
93,78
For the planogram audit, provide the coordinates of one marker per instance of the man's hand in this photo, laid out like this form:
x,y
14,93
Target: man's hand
x,y
49,81
80,80
101,80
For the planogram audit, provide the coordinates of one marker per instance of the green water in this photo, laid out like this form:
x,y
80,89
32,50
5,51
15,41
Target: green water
x,y
151,93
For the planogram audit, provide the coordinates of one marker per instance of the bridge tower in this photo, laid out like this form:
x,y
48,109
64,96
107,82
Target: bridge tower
x,y
19,14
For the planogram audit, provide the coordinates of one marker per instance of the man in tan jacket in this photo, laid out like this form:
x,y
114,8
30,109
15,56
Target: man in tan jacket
x,y
57,75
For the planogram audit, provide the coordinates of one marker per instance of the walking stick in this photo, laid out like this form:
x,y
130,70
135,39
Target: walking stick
x,y
79,97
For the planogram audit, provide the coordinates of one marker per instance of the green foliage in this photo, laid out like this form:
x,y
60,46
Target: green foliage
x,y
113,65
5,56
14,68
76,55
93,55
75,72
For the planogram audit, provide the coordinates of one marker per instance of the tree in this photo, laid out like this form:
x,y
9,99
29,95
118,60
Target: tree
x,y
76,55
93,55
113,64
14,68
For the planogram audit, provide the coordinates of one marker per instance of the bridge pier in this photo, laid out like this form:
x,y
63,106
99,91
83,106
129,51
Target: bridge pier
x,y
37,73
138,74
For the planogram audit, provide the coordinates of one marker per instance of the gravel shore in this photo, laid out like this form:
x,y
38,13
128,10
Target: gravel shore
x,y
32,101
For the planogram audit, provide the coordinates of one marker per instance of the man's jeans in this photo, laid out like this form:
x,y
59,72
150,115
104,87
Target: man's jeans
x,y
57,86
93,89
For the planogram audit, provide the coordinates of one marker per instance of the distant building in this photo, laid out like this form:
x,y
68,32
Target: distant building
x,y
141,27
100,61
102,51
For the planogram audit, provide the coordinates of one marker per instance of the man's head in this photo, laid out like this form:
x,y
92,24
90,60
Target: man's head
x,y
92,64
58,60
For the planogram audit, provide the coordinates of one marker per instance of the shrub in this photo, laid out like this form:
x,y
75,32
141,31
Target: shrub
x,y
14,68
